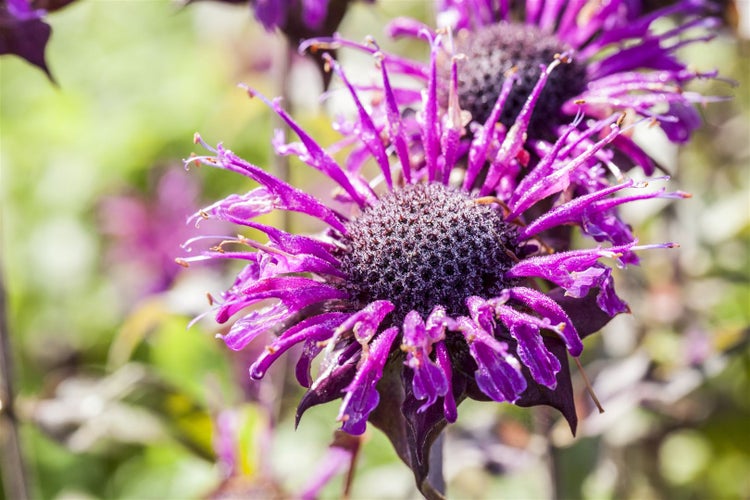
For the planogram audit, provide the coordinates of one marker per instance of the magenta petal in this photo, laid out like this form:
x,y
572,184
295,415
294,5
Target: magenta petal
x,y
684,119
314,12
548,308
237,208
429,381
395,124
576,271
296,243
444,362
437,322
541,363
318,158
430,123
361,396
295,292
607,299
317,328
271,13
276,264
482,313
480,145
246,329
572,211
280,194
367,131
498,373
365,322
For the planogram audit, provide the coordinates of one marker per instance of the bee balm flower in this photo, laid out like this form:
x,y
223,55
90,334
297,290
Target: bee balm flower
x,y
617,60
423,291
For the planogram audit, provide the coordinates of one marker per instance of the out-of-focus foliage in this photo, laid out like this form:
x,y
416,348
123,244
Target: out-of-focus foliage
x,y
119,399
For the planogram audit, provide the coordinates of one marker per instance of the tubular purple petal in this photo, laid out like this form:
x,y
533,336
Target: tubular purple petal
x,y
517,134
295,243
483,139
366,130
320,159
395,128
365,322
498,373
444,362
557,181
540,362
452,128
429,381
430,122
548,308
246,329
361,396
315,329
297,293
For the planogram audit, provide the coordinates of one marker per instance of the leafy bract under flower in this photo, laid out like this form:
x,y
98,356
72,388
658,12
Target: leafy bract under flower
x,y
403,354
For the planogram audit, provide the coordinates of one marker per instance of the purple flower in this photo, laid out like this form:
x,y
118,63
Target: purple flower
x,y
24,33
615,59
277,13
428,285
145,233
301,19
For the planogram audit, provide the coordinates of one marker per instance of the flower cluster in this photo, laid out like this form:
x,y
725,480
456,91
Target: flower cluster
x,y
434,283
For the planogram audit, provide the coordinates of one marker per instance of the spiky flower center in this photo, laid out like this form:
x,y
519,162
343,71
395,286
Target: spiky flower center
x,y
424,245
493,50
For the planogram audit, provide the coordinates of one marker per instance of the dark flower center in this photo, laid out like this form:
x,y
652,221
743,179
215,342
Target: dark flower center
x,y
493,50
424,245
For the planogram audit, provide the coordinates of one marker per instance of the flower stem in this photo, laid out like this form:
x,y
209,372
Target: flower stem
x,y
435,475
13,466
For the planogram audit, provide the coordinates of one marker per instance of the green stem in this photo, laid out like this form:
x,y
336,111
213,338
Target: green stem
x,y
13,466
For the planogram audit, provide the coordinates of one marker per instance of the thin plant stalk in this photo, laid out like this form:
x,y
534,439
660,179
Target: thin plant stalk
x,y
15,479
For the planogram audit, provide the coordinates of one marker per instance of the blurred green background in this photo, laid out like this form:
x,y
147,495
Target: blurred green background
x,y
118,399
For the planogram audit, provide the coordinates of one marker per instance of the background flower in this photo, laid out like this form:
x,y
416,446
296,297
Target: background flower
x,y
146,233
620,60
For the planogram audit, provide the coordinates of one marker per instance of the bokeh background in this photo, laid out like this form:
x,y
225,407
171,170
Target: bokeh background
x,y
118,398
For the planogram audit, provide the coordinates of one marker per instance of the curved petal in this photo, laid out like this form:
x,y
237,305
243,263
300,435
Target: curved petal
x,y
361,395
365,322
317,328
545,306
429,381
540,362
498,373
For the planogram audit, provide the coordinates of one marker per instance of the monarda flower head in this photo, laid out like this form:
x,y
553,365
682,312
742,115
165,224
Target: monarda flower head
x,y
616,59
426,288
